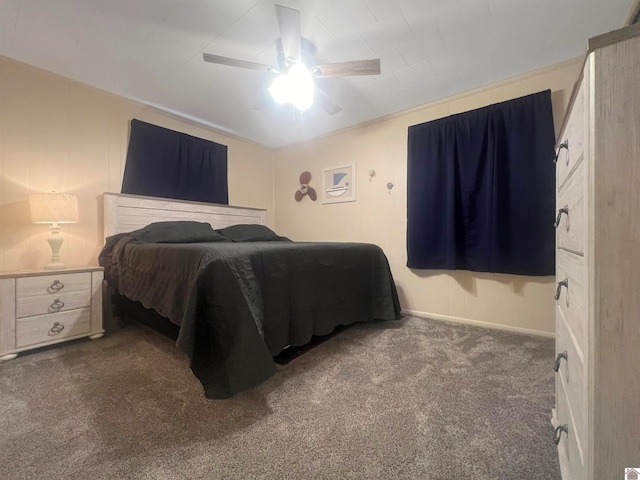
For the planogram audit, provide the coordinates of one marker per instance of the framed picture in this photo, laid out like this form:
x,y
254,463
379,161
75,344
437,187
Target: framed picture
x,y
339,184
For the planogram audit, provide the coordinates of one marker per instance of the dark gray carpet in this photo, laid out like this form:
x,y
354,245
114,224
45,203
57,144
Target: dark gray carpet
x,y
415,399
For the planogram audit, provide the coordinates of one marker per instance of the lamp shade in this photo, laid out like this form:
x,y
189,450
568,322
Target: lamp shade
x,y
53,208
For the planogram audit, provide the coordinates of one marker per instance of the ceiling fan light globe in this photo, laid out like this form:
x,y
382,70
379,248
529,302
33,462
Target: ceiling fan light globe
x,y
296,87
279,89
301,86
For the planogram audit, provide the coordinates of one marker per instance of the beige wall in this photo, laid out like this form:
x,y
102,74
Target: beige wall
x,y
56,134
510,301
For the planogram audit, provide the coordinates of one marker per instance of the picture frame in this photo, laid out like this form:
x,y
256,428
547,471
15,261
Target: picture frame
x,y
339,184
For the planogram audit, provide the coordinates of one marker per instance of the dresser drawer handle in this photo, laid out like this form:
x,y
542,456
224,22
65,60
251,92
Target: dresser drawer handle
x,y
56,329
56,286
561,283
564,144
558,433
556,367
56,305
564,210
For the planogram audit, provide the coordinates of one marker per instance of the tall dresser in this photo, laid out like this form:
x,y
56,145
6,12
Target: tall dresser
x,y
597,412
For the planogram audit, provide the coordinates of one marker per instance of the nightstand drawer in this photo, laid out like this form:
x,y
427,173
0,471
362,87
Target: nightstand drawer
x,y
54,284
49,328
60,302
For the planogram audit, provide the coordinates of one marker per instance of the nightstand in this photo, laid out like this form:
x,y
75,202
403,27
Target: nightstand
x,y
43,307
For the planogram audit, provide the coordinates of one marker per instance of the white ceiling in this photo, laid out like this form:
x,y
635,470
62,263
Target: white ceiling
x,y
151,51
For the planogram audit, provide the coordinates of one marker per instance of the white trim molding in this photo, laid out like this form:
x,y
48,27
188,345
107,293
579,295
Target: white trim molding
x,y
479,323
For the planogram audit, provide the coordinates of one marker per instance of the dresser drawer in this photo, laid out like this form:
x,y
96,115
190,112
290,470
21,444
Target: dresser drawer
x,y
52,285
60,302
572,373
570,451
52,327
571,228
572,298
574,136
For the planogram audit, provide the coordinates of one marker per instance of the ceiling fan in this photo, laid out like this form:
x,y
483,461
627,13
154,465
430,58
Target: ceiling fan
x,y
294,82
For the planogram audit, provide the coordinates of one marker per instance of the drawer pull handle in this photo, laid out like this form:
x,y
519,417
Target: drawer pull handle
x,y
56,329
561,283
558,433
564,144
56,286
564,210
556,367
56,305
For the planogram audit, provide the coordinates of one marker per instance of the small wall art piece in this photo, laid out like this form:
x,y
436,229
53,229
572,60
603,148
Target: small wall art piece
x,y
305,188
339,184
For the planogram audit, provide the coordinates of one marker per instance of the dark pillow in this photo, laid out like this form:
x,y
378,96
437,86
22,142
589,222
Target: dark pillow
x,y
251,233
178,232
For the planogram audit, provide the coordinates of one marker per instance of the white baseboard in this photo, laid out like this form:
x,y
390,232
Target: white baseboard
x,y
478,323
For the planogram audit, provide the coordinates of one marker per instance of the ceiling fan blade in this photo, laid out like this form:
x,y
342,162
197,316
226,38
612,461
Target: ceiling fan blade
x,y
234,62
299,195
347,69
289,23
326,103
305,177
312,194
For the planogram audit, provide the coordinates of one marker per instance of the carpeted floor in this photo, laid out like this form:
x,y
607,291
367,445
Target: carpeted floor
x,y
415,399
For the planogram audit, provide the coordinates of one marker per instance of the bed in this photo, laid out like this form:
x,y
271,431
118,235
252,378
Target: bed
x,y
237,292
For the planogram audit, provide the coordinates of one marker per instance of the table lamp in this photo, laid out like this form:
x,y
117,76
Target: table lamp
x,y
54,208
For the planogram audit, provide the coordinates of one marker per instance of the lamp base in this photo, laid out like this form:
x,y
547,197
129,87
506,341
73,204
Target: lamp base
x,y
55,242
55,266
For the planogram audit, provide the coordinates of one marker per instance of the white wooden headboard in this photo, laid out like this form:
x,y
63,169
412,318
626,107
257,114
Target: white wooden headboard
x,y
124,213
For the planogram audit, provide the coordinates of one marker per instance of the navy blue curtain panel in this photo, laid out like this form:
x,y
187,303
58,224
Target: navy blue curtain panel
x,y
481,190
170,164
